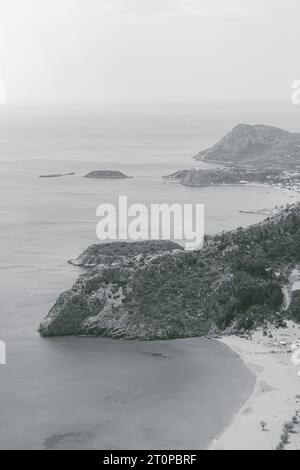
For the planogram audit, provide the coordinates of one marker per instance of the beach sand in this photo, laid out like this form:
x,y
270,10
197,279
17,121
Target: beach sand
x,y
276,393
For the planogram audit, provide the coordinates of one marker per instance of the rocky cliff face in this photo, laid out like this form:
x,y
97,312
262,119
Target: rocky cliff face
x,y
295,306
234,283
259,146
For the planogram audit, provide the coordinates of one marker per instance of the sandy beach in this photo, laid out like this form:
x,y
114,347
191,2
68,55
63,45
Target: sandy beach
x,y
260,423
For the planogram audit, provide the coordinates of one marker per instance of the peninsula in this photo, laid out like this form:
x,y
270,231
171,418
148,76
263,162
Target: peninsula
x,y
248,155
236,176
233,285
120,252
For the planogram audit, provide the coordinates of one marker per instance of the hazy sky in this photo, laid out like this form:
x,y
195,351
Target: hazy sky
x,y
107,51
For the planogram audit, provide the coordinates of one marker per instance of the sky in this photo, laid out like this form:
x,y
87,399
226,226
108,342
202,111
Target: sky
x,y
137,51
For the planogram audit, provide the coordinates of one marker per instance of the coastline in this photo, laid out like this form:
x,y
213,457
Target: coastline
x,y
275,398
116,403
286,189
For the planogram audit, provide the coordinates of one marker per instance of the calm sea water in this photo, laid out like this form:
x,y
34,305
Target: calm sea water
x,y
95,393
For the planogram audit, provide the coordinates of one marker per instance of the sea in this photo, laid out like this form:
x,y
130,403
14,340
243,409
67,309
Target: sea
x,y
95,393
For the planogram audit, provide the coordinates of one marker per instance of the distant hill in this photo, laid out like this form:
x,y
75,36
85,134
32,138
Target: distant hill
x,y
257,146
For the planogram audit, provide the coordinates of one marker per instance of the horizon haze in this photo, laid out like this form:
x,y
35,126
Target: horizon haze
x,y
143,51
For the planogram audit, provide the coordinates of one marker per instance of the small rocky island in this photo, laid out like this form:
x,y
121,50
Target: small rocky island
x,y
57,175
234,284
107,174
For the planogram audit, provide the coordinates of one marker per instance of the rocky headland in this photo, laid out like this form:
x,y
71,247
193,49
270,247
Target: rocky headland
x,y
120,252
249,154
234,284
236,176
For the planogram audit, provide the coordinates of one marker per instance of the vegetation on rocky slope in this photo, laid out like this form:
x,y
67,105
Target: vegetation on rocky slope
x,y
118,252
219,176
249,154
295,306
234,283
258,146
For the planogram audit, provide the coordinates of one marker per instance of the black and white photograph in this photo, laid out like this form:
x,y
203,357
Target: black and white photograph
x,y
149,228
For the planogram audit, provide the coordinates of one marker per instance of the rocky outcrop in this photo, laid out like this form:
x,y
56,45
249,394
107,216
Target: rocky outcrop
x,y
295,306
257,146
249,154
57,175
120,252
234,283
227,176
105,174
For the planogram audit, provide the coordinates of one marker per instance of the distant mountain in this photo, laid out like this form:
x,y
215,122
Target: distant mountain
x,y
257,146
